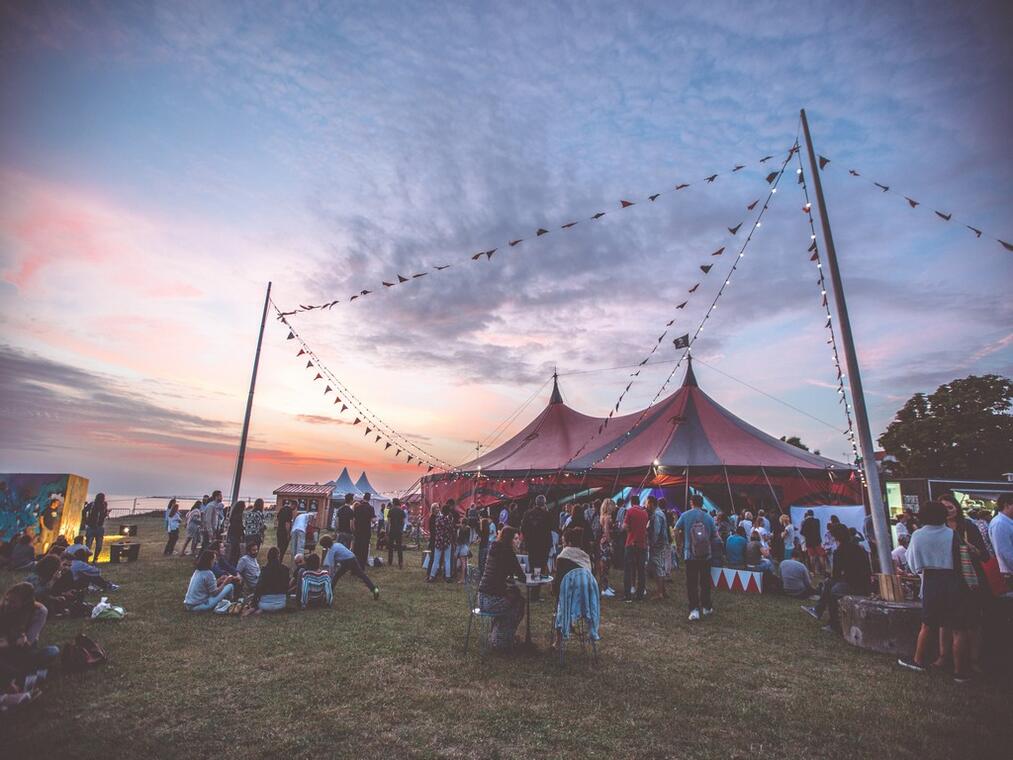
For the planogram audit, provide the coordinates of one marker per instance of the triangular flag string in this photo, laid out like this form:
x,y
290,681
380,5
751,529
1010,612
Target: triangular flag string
x,y
686,340
364,414
622,204
912,203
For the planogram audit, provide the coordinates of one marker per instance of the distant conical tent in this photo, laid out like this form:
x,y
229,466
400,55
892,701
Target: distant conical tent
x,y
365,486
344,484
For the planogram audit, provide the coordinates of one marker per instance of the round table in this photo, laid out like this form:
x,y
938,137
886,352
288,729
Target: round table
x,y
533,584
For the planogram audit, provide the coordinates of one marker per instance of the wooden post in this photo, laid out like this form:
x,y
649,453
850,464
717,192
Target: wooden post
x,y
249,403
880,525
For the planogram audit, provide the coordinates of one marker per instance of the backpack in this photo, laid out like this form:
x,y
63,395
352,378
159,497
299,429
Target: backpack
x,y
82,653
699,540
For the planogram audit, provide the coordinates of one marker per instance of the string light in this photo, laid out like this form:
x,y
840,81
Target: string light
x,y
807,209
360,408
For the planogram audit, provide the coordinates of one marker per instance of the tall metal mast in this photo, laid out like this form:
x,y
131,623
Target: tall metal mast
x,y
879,522
249,402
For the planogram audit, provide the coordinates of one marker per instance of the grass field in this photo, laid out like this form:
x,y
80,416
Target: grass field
x,y
388,679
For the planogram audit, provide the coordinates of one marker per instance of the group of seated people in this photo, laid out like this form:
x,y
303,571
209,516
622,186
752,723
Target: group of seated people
x,y
58,586
246,587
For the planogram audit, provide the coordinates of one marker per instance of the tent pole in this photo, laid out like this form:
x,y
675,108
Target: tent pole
x,y
772,492
249,403
731,499
879,522
685,503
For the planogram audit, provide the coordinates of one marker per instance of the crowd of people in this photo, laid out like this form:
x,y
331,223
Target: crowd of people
x,y
229,578
816,562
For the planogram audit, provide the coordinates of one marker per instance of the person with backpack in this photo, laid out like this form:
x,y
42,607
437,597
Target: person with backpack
x,y
635,551
696,529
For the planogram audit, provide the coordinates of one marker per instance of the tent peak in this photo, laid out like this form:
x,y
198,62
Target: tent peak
x,y
556,397
689,381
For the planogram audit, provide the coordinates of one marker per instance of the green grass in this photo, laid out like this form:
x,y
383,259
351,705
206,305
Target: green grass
x,y
388,679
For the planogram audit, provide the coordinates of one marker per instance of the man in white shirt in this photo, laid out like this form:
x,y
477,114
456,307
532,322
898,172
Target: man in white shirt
x,y
899,554
300,527
1000,532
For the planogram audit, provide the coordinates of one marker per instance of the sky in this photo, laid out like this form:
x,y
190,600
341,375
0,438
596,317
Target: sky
x,y
161,162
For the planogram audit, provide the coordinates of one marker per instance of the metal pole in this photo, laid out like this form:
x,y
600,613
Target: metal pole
x,y
879,523
249,401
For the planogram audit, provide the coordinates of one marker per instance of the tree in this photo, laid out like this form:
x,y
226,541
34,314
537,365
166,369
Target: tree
x,y
962,430
794,440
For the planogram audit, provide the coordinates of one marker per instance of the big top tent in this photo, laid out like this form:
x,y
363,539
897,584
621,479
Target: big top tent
x,y
685,442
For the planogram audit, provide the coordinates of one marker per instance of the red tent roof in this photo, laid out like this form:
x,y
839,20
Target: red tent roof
x,y
686,429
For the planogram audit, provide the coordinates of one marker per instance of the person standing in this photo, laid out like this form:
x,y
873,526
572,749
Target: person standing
x,y
657,534
696,529
1000,533
253,523
344,517
486,537
931,554
362,529
283,528
619,538
395,533
537,534
813,536
193,529
787,531
95,525
211,513
443,537
635,551
608,508
235,531
172,522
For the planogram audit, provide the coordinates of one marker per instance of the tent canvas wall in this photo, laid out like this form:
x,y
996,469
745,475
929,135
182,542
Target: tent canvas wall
x,y
685,441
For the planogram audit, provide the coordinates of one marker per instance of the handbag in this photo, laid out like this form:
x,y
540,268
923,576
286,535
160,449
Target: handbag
x,y
993,576
964,563
83,652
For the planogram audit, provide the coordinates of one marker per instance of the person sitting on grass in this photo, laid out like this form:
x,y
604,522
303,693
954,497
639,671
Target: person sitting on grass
x,y
298,568
339,559
248,569
23,553
795,579
205,592
315,590
498,594
945,598
271,592
851,575
756,558
735,548
22,619
86,574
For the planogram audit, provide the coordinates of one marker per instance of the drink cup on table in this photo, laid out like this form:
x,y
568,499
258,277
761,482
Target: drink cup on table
x,y
538,574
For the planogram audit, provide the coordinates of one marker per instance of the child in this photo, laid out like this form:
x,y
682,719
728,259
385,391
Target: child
x,y
463,549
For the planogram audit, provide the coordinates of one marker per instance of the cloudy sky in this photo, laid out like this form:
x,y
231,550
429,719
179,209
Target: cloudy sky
x,y
161,162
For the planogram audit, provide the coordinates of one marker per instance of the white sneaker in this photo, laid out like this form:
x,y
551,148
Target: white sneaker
x,y
608,592
694,615
708,611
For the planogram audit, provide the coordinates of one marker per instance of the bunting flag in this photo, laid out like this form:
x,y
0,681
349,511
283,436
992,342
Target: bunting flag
x,y
623,203
693,289
290,336
914,204
705,268
735,230
373,425
683,342
752,205
301,352
719,251
682,305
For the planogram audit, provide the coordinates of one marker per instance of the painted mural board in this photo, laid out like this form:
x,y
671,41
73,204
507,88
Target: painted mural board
x,y
46,503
